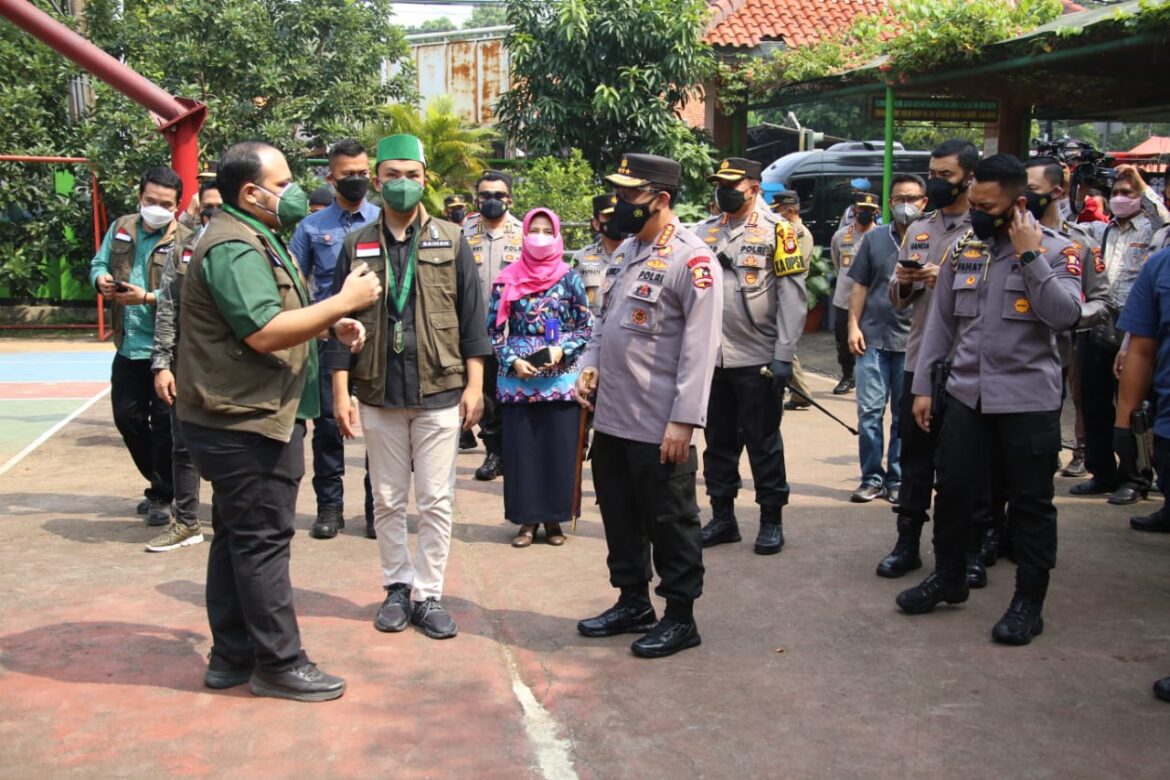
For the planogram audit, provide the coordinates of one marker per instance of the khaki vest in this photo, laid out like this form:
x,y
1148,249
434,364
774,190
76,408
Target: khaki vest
x,y
436,317
226,384
122,255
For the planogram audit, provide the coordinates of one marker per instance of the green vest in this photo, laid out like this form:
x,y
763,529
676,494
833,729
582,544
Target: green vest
x,y
227,384
436,317
122,255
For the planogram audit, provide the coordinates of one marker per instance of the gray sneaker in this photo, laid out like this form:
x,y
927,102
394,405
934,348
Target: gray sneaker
x,y
430,616
394,614
175,536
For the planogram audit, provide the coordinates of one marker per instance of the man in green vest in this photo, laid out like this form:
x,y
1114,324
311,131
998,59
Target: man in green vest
x,y
419,379
127,271
247,381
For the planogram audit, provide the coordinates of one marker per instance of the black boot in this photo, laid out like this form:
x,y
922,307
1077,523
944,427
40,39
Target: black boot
x,y
948,582
904,557
989,548
1023,620
976,574
493,466
770,539
722,528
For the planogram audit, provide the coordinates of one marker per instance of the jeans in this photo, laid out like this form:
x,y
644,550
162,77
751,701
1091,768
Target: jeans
x,y
879,375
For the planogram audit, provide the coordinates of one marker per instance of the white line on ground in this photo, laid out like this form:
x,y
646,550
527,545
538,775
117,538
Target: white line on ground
x,y
44,437
552,752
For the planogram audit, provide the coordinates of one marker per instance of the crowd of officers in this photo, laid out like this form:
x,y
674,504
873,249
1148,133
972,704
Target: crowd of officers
x,y
229,340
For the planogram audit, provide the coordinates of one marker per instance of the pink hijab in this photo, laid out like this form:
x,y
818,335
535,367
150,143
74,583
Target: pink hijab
x,y
538,268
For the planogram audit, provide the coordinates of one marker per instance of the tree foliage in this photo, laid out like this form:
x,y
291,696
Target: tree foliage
x,y
606,77
486,16
565,185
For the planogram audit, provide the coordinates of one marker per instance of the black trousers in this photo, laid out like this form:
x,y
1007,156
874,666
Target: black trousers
x,y
744,409
1098,391
649,511
491,430
1162,468
328,450
144,420
845,358
254,482
186,476
1027,447
918,448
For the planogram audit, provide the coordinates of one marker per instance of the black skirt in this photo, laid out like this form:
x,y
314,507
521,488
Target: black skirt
x,y
540,453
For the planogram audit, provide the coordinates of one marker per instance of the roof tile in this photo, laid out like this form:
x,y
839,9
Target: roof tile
x,y
745,23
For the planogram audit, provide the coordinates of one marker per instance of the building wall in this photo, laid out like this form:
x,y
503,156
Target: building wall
x,y
474,71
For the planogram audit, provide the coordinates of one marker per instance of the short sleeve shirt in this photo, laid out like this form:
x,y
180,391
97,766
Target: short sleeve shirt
x,y
1147,314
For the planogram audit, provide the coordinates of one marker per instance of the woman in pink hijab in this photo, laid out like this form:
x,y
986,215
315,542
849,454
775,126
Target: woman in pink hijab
x,y
540,322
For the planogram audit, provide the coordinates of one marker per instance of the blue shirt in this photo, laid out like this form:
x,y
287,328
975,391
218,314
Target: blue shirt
x,y
1147,313
138,322
317,241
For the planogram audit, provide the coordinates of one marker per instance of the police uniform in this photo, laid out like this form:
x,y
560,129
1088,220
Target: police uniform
x,y
654,347
492,250
998,314
592,261
455,206
764,307
842,247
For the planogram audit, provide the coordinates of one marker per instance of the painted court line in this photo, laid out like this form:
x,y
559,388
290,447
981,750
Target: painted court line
x,y
553,753
44,437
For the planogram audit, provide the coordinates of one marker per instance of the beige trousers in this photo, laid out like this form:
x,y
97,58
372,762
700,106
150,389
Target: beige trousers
x,y
394,439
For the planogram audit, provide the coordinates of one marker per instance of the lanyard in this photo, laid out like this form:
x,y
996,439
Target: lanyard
x,y
399,294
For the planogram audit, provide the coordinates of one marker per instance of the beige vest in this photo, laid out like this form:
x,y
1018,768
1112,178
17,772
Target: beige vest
x,y
122,255
227,384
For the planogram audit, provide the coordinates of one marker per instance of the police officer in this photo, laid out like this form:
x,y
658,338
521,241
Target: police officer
x,y
1007,290
247,371
592,261
862,217
787,205
764,306
455,209
494,236
650,363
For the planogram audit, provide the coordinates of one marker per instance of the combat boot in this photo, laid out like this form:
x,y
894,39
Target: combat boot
x,y
990,548
948,582
904,557
976,573
1023,620
770,539
722,528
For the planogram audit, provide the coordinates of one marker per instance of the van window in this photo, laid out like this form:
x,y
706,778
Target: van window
x,y
838,197
806,188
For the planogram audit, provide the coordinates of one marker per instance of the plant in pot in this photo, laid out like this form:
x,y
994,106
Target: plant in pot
x,y
819,287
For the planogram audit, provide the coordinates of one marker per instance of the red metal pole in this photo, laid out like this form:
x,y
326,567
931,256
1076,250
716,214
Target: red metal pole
x,y
30,158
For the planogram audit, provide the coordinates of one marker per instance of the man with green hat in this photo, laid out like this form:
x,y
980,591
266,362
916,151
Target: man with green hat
x,y
418,380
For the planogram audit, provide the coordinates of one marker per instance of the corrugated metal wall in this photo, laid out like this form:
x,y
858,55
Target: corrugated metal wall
x,y
473,71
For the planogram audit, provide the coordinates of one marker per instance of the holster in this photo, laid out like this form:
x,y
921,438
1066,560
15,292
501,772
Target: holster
x,y
939,372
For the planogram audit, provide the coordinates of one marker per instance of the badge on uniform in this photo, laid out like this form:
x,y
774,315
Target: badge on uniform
x,y
751,277
638,317
122,235
478,258
438,244
1072,260
972,253
657,265
922,237
1098,262
665,251
971,280
664,237
1023,306
186,258
702,278
363,249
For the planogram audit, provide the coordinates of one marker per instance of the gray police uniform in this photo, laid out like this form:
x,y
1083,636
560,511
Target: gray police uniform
x,y
654,347
999,318
591,263
764,307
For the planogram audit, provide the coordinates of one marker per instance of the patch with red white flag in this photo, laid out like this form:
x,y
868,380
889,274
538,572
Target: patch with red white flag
x,y
122,235
367,249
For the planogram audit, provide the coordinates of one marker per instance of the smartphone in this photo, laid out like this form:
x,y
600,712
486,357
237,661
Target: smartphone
x,y
121,287
911,264
540,358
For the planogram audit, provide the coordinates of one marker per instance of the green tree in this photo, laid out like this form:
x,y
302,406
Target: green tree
x,y
455,150
565,185
486,16
442,24
607,77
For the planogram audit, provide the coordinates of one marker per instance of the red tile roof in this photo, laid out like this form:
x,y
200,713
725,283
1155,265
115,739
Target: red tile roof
x,y
745,23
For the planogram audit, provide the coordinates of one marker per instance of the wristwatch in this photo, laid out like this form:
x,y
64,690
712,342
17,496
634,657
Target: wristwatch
x,y
1028,256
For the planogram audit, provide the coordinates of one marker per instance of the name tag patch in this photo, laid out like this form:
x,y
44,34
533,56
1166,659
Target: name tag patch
x,y
442,244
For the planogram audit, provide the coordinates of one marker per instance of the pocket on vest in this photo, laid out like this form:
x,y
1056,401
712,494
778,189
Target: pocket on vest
x,y
443,335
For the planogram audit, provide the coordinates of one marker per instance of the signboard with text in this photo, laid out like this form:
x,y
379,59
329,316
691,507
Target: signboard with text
x,y
939,110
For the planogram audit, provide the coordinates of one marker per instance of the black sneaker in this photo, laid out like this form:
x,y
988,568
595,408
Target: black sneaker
x,y
430,616
844,386
667,638
329,521
301,683
493,466
159,513
625,617
222,673
1020,623
467,440
143,506
394,614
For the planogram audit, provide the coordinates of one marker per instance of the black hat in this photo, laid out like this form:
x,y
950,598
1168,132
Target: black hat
x,y
454,200
866,200
732,169
638,170
322,196
603,204
786,198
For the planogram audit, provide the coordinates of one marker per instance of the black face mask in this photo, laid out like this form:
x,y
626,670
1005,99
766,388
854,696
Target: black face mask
x,y
353,188
493,208
729,200
630,218
610,231
457,215
986,225
943,193
1037,204
865,217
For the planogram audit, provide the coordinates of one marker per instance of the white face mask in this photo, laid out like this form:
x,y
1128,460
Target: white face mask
x,y
155,217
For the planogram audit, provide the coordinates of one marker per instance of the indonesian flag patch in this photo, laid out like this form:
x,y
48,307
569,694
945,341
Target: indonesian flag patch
x,y
186,258
122,235
367,249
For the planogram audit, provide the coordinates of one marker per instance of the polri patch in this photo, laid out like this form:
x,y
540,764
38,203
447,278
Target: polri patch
x,y
702,277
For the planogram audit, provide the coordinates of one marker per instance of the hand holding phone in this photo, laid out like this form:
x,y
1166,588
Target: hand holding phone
x,y
540,358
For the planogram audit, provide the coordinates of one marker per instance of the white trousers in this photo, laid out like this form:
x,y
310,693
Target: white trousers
x,y
429,438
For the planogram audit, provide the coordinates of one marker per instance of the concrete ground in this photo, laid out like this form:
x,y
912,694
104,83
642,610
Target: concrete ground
x,y
806,669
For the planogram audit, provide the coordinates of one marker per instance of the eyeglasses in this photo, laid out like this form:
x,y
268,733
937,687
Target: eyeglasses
x,y
902,200
632,194
497,195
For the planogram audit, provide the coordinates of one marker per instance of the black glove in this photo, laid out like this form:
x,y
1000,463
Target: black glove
x,y
781,373
1125,444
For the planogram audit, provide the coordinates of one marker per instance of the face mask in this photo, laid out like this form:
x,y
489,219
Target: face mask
x,y
987,225
353,188
541,247
943,193
905,213
155,217
865,217
729,200
1037,204
292,205
457,215
1124,207
493,208
610,231
402,194
630,217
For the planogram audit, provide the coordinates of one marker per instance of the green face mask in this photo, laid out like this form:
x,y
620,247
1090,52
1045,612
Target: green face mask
x,y
292,205
402,194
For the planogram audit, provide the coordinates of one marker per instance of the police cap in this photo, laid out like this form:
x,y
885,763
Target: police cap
x,y
866,200
732,169
454,200
786,198
603,204
638,170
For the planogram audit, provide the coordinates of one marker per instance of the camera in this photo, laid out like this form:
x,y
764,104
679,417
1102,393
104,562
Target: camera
x,y
1089,168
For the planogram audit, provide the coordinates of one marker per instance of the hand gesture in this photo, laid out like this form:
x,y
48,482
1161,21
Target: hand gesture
x,y
351,333
1130,174
132,295
523,369
361,289
164,386
105,285
1025,232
